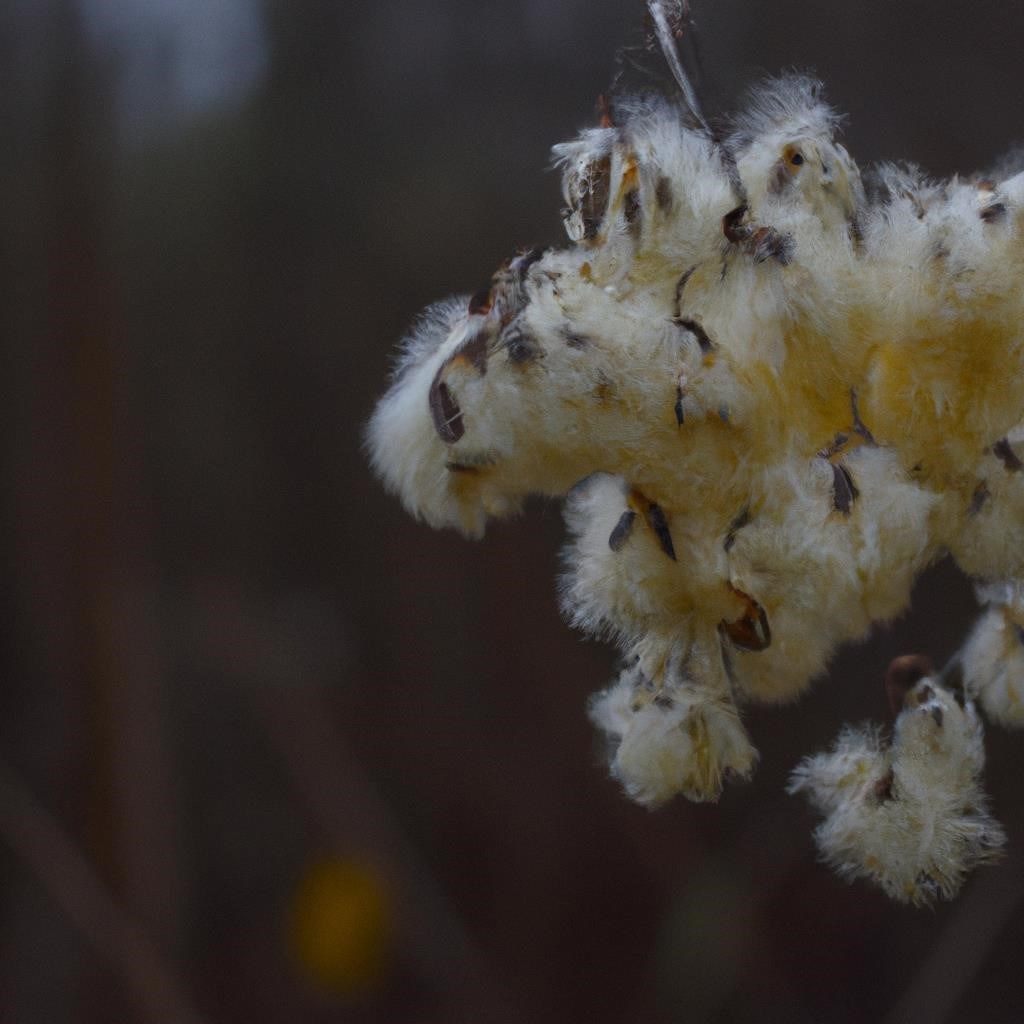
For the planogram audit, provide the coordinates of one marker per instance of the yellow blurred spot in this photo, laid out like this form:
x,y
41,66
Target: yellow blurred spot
x,y
341,926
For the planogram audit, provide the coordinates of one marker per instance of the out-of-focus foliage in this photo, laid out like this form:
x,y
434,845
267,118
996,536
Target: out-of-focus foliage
x,y
341,926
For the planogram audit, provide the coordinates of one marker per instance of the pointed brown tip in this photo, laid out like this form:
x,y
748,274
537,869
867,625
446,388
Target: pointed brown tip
x,y
902,675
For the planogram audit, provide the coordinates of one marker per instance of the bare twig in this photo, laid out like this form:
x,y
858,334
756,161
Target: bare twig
x,y
667,34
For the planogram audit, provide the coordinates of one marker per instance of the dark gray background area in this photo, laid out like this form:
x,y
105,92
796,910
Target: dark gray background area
x,y
227,652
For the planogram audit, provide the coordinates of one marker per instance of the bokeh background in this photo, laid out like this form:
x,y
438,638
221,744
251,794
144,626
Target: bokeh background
x,y
270,751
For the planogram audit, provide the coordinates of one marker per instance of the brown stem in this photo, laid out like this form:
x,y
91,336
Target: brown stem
x,y
36,836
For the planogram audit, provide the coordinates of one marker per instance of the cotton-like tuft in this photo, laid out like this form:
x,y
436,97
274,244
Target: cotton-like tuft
x,y
771,396
910,814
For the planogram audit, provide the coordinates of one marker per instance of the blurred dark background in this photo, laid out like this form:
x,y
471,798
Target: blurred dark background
x,y
272,752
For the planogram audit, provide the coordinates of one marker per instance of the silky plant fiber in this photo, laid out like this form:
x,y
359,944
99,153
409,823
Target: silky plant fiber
x,y
771,390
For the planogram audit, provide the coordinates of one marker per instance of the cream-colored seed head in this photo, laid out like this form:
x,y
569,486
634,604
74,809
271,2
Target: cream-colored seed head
x,y
772,398
909,815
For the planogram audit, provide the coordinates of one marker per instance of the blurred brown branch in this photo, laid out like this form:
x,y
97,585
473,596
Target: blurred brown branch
x,y
36,836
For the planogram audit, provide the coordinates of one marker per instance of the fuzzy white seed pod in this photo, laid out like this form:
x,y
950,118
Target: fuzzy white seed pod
x,y
909,815
993,665
671,740
771,398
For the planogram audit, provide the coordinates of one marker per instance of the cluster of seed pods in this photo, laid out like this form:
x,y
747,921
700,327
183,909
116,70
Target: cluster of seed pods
x,y
770,392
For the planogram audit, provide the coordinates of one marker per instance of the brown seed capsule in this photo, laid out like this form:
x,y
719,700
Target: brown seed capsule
x,y
631,209
732,225
902,676
882,789
993,212
767,243
522,261
735,526
978,498
843,490
445,411
623,528
593,201
926,694
656,520
792,157
1007,456
520,345
706,344
751,631
762,243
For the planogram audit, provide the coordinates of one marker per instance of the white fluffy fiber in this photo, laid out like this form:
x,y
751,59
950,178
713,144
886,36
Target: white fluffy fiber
x,y
773,396
909,815
670,740
993,664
